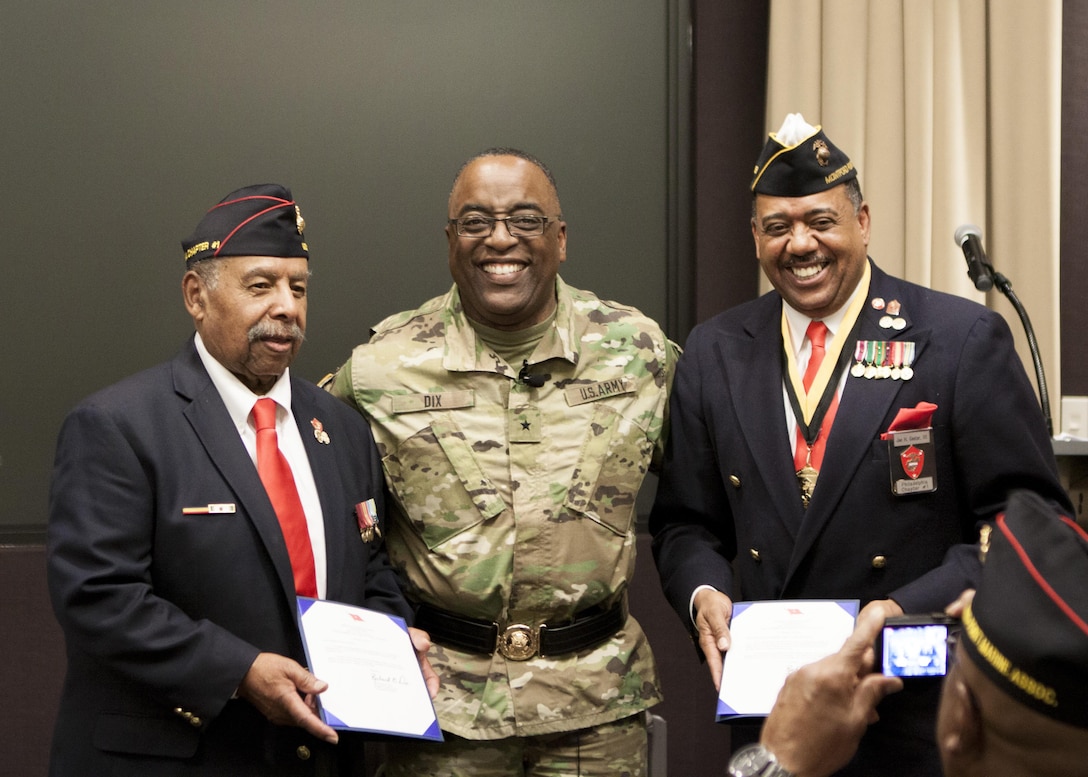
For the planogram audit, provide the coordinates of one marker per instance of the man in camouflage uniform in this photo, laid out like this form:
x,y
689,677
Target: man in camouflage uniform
x,y
517,417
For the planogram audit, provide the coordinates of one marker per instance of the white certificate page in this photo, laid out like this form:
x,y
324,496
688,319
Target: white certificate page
x,y
367,658
771,639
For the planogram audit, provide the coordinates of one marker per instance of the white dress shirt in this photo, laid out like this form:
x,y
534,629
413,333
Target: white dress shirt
x,y
239,401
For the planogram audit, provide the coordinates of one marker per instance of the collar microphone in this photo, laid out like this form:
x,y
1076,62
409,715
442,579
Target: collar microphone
x,y
535,381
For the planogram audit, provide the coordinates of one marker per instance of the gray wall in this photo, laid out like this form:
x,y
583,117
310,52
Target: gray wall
x,y
124,121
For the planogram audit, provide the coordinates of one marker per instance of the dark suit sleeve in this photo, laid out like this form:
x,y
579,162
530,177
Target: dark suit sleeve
x,y
101,532
691,521
1000,444
361,475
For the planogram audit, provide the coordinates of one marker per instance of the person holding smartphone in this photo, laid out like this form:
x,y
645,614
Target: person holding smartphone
x,y
1015,699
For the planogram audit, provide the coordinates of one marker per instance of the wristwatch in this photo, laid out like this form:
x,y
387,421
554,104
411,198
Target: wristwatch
x,y
756,761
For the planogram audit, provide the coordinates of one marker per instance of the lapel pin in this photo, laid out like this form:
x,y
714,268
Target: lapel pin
x,y
319,431
897,322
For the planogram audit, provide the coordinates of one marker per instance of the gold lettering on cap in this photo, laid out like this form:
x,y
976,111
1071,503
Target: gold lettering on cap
x,y
839,173
1003,665
201,247
196,250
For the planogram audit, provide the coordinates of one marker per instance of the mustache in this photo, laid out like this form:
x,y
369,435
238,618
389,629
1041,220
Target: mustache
x,y
271,330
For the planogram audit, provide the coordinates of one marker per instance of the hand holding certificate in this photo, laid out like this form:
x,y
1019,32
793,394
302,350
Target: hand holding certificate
x,y
367,658
770,639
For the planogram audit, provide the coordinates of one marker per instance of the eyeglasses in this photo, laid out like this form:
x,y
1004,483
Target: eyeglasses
x,y
517,226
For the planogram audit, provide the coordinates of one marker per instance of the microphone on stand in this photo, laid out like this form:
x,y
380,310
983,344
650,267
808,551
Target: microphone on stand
x,y
969,238
985,277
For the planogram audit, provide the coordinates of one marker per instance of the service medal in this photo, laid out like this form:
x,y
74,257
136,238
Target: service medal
x,y
858,370
806,478
366,514
908,359
897,359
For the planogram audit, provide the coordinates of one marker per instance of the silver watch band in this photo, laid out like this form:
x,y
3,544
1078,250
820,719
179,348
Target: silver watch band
x,y
756,761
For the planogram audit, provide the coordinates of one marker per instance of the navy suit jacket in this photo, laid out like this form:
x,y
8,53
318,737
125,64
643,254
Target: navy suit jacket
x,y
163,613
728,511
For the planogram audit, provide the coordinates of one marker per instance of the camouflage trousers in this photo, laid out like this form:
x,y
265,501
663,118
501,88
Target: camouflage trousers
x,y
616,749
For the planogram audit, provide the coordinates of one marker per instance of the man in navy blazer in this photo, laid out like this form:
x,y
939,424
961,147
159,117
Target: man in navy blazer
x,y
917,425
167,565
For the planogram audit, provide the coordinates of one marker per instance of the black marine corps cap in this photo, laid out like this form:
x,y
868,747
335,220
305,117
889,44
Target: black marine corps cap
x,y
796,168
259,220
1027,628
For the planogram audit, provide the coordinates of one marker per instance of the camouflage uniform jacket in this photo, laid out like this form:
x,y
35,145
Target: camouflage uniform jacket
x,y
516,504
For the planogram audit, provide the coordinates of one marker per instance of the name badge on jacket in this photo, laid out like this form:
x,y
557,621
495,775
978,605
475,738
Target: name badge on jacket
x,y
913,459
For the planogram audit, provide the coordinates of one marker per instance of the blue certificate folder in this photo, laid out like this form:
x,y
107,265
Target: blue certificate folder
x,y
367,658
770,639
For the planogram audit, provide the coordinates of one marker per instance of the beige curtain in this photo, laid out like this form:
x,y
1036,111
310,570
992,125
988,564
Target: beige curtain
x,y
951,111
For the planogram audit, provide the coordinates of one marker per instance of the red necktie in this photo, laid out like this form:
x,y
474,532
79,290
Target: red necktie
x,y
816,335
278,481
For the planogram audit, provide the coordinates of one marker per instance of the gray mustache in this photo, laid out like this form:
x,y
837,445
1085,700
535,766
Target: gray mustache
x,y
264,329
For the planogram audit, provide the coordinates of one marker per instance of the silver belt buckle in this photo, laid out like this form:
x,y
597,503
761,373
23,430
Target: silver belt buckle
x,y
519,642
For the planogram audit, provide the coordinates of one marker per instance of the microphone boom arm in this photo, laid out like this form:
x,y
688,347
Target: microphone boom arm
x,y
1005,287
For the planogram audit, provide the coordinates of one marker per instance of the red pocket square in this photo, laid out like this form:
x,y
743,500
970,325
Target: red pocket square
x,y
918,417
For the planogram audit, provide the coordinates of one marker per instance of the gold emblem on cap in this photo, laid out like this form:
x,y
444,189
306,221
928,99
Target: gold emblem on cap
x,y
823,153
299,221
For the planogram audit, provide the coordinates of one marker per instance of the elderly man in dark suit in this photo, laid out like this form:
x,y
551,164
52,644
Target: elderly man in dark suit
x,y
182,526
842,437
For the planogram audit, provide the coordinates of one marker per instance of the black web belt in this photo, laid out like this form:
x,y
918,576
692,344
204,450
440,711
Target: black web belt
x,y
521,641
